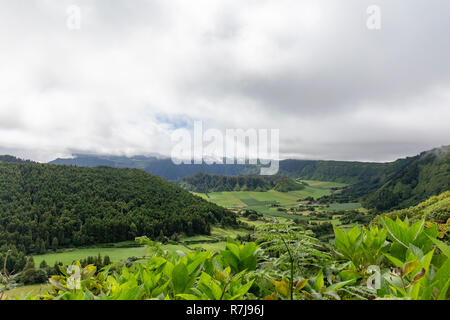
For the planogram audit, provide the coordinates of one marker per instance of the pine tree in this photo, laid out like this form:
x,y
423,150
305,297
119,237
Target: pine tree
x,y
55,243
99,262
43,264
133,230
42,246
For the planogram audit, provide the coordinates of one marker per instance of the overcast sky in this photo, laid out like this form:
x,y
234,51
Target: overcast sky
x,y
137,70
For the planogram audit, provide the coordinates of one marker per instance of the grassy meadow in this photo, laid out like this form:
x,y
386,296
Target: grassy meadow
x,y
215,241
262,202
25,290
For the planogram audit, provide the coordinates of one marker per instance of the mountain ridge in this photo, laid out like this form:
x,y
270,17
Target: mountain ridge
x,y
380,186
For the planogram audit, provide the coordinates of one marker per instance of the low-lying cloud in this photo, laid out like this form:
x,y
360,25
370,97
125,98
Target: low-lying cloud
x,y
137,70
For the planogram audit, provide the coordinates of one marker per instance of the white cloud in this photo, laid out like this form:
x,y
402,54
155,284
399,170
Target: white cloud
x,y
311,69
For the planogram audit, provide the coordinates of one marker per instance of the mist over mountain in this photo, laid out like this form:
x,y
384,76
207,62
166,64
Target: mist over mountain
x,y
163,167
382,186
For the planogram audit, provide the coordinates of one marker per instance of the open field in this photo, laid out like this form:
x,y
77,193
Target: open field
x,y
343,206
215,241
24,290
116,254
233,199
67,257
263,202
324,184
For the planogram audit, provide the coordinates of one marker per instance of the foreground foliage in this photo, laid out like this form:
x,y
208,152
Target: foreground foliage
x,y
398,260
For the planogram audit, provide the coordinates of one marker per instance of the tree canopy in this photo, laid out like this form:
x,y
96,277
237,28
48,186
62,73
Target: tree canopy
x,y
44,206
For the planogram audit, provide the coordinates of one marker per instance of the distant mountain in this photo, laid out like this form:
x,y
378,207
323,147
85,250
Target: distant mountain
x,y
382,186
203,182
364,177
8,158
86,160
337,171
160,166
44,206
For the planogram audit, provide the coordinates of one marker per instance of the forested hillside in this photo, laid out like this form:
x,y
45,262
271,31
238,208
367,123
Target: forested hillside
x,y
43,206
338,171
369,174
202,182
427,175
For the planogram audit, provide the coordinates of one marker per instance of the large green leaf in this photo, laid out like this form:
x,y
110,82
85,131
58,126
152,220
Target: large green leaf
x,y
442,246
180,278
397,262
441,277
338,285
319,281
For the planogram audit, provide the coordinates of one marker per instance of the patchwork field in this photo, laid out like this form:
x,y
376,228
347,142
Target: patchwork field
x,y
263,201
235,199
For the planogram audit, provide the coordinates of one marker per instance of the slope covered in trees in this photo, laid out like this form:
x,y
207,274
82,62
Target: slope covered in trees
x,y
44,206
202,182
427,175
363,176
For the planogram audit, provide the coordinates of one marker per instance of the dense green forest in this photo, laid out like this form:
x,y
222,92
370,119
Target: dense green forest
x,y
403,183
427,175
46,206
349,172
204,183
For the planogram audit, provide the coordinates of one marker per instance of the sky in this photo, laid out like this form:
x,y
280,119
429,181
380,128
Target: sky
x,y
121,76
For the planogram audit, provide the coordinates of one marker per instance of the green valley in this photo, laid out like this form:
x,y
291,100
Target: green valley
x,y
88,217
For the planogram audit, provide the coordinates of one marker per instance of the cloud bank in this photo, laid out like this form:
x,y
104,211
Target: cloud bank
x,y
137,70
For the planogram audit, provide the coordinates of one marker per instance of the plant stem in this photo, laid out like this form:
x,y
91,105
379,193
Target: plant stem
x,y
291,282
